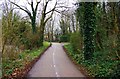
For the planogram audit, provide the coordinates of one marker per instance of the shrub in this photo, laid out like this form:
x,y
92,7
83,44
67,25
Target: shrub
x,y
64,38
30,41
76,41
116,72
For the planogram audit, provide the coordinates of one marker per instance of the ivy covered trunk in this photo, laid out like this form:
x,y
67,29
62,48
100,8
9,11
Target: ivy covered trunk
x,y
33,26
89,29
42,26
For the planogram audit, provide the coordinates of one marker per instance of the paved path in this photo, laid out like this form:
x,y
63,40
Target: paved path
x,y
54,63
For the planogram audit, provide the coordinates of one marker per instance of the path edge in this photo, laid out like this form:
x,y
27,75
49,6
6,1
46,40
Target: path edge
x,y
81,68
23,73
32,63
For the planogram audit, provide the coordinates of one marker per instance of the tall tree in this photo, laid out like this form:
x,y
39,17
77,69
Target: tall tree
x,y
44,19
73,22
32,14
63,26
6,23
114,25
80,17
89,29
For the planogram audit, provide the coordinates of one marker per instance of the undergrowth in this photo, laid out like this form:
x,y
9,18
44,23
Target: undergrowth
x,y
102,64
23,58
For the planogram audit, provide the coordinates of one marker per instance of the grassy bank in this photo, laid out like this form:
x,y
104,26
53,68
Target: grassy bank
x,y
24,58
102,65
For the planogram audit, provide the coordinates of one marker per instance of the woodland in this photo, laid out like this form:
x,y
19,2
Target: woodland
x,y
92,30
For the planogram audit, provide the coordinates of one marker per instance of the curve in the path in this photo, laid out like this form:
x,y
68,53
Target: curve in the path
x,y
54,63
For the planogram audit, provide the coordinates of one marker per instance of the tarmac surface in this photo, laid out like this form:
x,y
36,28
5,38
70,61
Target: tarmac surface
x,y
54,63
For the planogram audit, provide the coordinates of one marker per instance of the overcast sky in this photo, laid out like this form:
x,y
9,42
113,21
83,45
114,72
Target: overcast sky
x,y
68,3
50,5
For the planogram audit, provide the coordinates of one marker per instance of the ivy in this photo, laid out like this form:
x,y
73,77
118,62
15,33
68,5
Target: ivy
x,y
89,30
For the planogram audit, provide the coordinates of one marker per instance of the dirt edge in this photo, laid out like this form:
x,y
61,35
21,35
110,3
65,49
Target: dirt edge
x,y
23,73
81,68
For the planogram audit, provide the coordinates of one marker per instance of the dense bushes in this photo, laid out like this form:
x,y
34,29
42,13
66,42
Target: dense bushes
x,y
10,66
78,56
76,41
64,38
102,65
30,41
17,36
100,33
116,72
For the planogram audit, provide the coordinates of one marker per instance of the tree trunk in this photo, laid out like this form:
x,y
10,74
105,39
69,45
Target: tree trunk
x,y
99,41
89,30
73,24
42,26
105,20
33,21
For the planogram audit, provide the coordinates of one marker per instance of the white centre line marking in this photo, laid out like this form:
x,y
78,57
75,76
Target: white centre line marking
x,y
54,57
57,75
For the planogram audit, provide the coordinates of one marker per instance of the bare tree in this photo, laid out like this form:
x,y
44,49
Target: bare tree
x,y
32,14
49,28
44,19
6,23
73,23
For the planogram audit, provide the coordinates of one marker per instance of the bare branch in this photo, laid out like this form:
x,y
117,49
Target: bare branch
x,y
37,5
52,9
45,6
57,11
25,8
63,7
51,13
32,6
61,12
49,17
27,11
28,2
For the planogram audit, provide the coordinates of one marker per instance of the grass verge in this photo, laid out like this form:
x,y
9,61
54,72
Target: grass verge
x,y
102,64
20,66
